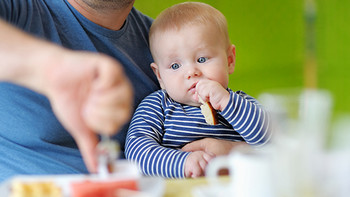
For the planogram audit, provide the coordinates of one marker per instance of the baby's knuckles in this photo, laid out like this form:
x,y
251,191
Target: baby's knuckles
x,y
217,94
193,167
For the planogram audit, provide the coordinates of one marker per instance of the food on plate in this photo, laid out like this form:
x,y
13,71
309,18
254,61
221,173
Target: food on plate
x,y
208,112
90,188
35,189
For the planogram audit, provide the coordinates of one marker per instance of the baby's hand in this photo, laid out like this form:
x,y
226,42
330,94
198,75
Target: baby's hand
x,y
213,92
196,163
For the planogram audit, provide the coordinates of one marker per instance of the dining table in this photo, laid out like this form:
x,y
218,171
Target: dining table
x,y
182,187
185,187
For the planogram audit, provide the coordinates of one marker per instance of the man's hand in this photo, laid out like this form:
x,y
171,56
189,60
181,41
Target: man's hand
x,y
89,93
212,146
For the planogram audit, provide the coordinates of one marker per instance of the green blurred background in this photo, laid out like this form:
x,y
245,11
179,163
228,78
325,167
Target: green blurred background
x,y
277,40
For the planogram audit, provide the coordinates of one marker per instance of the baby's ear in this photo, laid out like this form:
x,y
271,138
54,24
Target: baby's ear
x,y
155,69
231,57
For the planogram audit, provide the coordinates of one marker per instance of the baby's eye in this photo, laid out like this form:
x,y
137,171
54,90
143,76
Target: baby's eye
x,y
202,59
175,66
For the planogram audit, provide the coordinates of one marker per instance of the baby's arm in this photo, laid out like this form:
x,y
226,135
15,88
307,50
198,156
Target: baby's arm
x,y
143,142
196,163
242,111
248,118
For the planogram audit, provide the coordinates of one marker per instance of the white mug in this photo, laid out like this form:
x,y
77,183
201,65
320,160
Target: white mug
x,y
250,174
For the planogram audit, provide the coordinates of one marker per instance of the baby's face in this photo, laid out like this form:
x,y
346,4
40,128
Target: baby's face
x,y
189,55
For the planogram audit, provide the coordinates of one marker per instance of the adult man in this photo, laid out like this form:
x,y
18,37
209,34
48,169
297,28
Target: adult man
x,y
88,92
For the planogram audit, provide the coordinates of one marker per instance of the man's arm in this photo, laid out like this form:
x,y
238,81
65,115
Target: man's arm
x,y
19,52
213,146
88,92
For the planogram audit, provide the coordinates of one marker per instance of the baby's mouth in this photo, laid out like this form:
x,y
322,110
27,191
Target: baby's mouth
x,y
192,89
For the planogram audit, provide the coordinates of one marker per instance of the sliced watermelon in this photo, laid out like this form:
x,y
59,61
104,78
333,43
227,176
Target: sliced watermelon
x,y
101,188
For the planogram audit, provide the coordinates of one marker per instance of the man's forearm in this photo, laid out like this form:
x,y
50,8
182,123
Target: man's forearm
x,y
23,57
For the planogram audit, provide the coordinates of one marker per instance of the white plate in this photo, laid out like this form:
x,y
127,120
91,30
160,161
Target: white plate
x,y
149,186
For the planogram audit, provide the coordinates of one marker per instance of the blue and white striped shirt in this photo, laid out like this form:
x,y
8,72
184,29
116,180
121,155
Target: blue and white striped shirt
x,y
161,126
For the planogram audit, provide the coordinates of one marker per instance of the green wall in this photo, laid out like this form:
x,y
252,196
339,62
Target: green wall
x,y
271,38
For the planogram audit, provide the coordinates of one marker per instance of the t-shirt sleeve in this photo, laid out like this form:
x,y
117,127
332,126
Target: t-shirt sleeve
x,y
248,118
143,142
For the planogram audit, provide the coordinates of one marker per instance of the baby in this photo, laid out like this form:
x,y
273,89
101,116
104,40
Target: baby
x,y
193,57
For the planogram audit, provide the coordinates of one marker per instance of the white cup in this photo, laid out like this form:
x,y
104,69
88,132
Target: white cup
x,y
249,173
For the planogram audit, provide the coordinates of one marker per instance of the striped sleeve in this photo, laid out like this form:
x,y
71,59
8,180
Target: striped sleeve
x,y
248,118
143,142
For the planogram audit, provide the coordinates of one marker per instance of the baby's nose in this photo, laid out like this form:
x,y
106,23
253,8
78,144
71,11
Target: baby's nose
x,y
193,72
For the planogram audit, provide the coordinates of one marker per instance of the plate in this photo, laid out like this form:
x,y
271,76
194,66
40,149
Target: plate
x,y
148,186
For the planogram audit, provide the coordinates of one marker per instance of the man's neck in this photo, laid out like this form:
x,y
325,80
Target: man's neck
x,y
109,18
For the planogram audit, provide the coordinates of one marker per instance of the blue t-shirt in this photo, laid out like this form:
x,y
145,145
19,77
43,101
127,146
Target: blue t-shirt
x,y
32,141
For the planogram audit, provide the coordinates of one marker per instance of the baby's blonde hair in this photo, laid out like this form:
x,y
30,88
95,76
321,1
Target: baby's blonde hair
x,y
190,13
